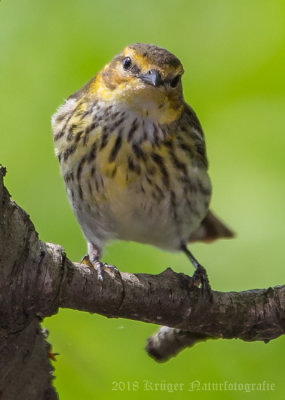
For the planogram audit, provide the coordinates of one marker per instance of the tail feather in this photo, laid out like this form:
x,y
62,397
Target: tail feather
x,y
210,229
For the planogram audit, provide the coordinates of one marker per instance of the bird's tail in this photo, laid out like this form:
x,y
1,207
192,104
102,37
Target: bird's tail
x,y
210,229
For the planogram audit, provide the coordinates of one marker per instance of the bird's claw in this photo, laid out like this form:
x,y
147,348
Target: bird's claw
x,y
100,266
86,260
112,267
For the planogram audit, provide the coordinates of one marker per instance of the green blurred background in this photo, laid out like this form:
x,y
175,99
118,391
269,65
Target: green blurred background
x,y
234,58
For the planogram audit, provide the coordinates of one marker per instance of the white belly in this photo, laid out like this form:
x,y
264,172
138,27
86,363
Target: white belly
x,y
134,213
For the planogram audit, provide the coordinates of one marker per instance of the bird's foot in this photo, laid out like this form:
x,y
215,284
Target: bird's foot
x,y
200,279
99,266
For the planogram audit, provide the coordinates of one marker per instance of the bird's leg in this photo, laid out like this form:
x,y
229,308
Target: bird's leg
x,y
93,260
200,275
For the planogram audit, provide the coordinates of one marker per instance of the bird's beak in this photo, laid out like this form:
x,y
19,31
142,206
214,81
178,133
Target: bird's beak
x,y
152,77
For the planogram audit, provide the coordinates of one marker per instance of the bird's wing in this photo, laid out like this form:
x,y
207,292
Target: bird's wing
x,y
191,128
210,229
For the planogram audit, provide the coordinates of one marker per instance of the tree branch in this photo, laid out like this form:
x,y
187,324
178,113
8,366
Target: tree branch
x,y
37,278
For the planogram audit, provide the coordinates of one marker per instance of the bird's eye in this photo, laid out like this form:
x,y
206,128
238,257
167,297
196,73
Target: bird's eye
x,y
175,81
127,62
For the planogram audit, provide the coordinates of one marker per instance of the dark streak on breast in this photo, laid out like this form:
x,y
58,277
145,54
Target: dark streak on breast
x,y
173,203
92,153
177,163
68,176
104,140
70,150
187,148
80,192
159,161
155,135
80,166
116,148
58,135
132,130
89,187
138,152
78,136
88,130
133,167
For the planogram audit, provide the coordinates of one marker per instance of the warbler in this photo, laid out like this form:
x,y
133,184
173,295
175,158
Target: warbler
x,y
133,158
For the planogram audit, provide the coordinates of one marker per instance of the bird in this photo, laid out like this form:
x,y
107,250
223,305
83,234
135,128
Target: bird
x,y
133,157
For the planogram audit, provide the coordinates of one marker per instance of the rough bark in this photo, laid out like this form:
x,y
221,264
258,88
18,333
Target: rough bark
x,y
37,278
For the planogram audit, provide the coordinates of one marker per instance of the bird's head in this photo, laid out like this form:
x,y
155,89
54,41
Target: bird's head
x,y
146,79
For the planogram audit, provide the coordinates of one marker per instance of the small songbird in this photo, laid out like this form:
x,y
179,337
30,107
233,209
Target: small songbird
x,y
133,158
